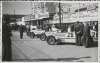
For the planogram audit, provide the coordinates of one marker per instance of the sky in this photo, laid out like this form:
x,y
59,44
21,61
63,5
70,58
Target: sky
x,y
19,7
22,8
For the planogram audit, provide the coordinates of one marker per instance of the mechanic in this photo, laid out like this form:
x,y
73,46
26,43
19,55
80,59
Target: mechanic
x,y
77,33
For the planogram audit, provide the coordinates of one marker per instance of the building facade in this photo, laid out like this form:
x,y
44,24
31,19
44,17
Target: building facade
x,y
83,12
39,14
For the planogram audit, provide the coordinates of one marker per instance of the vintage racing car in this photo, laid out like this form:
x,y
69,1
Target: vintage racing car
x,y
69,37
35,31
44,35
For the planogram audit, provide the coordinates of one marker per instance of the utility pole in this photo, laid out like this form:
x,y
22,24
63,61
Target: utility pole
x,y
60,14
14,16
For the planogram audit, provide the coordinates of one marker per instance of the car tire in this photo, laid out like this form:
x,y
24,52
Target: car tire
x,y
51,40
43,37
32,35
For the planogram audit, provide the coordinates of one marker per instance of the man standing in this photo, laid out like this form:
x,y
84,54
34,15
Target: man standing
x,y
21,30
86,34
77,33
6,40
82,31
28,30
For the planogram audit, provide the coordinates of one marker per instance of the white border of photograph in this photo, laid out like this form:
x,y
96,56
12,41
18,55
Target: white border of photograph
x,y
62,2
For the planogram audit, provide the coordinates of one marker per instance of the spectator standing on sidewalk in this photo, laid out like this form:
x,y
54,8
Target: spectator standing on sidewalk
x,y
28,30
6,40
21,30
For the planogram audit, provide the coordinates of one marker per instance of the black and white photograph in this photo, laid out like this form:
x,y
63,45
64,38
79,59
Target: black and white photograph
x,y
0,32
50,0
50,31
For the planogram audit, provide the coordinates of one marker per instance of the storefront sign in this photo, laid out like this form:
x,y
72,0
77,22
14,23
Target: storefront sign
x,y
83,16
43,15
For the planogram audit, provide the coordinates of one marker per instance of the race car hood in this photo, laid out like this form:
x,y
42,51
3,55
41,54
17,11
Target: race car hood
x,y
50,33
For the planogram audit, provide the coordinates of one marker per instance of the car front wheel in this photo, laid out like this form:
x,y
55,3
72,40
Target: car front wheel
x,y
51,40
32,35
43,37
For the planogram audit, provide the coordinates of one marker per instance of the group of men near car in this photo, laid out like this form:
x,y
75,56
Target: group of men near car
x,y
82,32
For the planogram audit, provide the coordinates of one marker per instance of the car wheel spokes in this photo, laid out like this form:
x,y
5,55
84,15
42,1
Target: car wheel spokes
x,y
43,37
51,41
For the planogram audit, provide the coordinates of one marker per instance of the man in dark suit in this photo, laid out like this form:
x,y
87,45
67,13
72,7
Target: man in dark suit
x,y
28,30
21,30
82,31
6,40
77,33
86,33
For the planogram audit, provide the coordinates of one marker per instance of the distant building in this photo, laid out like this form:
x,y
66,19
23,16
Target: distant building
x,y
86,12
13,18
51,8
40,13
39,7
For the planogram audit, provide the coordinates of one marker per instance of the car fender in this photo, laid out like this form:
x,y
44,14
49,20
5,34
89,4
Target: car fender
x,y
52,36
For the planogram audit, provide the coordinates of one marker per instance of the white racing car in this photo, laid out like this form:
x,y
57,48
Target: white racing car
x,y
68,37
35,31
44,35
61,37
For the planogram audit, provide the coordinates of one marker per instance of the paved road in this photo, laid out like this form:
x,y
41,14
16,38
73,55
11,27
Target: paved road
x,y
29,49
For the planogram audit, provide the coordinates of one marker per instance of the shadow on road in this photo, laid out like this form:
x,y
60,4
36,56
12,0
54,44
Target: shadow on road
x,y
64,59
86,57
64,43
95,44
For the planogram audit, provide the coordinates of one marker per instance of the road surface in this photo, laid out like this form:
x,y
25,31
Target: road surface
x,y
29,49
